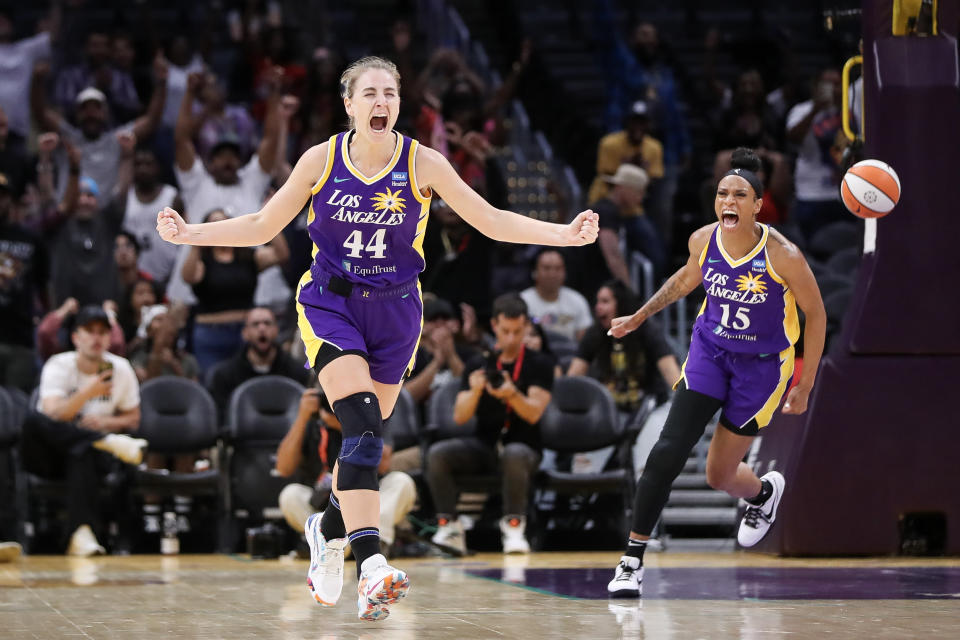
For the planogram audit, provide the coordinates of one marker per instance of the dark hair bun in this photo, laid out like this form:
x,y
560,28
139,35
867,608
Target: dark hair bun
x,y
743,158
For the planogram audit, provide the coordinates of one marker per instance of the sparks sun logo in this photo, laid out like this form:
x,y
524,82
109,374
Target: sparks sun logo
x,y
751,283
389,201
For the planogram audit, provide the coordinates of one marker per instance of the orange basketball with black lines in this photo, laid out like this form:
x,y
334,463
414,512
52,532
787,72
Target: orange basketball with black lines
x,y
870,189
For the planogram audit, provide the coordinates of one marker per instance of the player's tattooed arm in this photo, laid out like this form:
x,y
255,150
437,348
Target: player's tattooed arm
x,y
685,280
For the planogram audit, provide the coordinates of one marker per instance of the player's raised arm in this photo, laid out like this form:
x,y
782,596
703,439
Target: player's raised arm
x,y
436,172
256,228
677,286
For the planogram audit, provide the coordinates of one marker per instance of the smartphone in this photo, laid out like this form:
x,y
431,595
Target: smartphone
x,y
106,365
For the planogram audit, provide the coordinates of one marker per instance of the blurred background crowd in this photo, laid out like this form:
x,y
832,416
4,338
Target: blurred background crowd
x,y
110,111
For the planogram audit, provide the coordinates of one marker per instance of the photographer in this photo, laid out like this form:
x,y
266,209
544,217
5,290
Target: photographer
x,y
508,392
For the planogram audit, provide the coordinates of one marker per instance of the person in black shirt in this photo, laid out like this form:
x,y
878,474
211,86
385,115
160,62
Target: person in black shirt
x,y
639,364
507,392
24,272
458,259
259,357
224,280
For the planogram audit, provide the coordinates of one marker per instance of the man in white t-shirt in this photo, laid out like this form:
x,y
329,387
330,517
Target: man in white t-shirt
x,y
223,182
553,306
145,197
813,127
87,398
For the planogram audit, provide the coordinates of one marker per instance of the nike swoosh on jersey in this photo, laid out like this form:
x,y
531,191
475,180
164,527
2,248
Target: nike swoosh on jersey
x,y
339,180
713,260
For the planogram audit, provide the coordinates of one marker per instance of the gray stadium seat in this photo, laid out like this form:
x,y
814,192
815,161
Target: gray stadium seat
x,y
260,413
845,262
835,237
177,416
830,283
582,417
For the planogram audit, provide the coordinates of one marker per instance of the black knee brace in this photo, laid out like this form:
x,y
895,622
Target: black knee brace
x,y
362,448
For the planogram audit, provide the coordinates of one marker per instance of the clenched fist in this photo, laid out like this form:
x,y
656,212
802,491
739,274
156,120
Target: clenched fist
x,y
171,226
583,230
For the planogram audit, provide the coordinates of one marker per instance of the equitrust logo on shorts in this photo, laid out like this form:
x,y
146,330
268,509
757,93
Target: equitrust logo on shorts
x,y
398,179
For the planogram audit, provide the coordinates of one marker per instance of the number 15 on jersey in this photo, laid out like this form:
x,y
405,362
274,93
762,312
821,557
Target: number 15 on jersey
x,y
741,318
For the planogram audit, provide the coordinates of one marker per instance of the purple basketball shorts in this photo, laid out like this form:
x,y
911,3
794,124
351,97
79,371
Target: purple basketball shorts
x,y
382,325
749,384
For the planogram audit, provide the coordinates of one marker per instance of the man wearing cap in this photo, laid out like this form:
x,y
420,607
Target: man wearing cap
x,y
83,245
24,271
158,354
100,148
87,399
224,182
633,145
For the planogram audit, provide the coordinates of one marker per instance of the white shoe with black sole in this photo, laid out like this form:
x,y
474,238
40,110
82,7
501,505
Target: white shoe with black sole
x,y
758,518
627,579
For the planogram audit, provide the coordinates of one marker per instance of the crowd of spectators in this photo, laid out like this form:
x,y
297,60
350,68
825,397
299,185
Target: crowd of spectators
x,y
101,130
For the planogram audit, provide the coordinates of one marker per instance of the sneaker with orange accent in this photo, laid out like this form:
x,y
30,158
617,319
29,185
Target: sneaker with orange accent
x,y
513,534
325,576
380,586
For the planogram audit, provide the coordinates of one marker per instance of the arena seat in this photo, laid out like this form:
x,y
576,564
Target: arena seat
x,y
259,415
582,417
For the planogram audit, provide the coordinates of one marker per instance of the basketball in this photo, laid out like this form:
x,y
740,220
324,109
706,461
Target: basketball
x,y
870,189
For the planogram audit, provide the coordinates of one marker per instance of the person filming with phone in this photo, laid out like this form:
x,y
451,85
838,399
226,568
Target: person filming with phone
x,y
88,400
507,391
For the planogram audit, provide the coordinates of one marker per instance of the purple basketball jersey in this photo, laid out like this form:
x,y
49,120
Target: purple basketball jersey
x,y
748,308
369,230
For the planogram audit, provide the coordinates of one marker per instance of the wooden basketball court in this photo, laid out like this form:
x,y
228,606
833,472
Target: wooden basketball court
x,y
548,595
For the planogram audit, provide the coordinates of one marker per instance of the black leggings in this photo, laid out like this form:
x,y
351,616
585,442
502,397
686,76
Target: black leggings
x,y
688,418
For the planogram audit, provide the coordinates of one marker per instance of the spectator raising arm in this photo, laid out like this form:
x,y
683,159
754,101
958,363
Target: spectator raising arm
x,y
184,152
47,119
144,126
272,125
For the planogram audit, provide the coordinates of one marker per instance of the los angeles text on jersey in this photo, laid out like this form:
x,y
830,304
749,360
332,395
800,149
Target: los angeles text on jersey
x,y
718,289
343,214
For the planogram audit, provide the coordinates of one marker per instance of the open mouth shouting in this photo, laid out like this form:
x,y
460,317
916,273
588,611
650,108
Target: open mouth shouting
x,y
729,219
378,124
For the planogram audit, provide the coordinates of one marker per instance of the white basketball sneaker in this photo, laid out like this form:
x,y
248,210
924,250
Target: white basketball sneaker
x,y
513,535
450,537
325,576
758,518
380,586
627,579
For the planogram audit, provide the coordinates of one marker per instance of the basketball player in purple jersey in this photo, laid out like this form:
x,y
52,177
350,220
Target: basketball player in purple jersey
x,y
740,361
359,305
